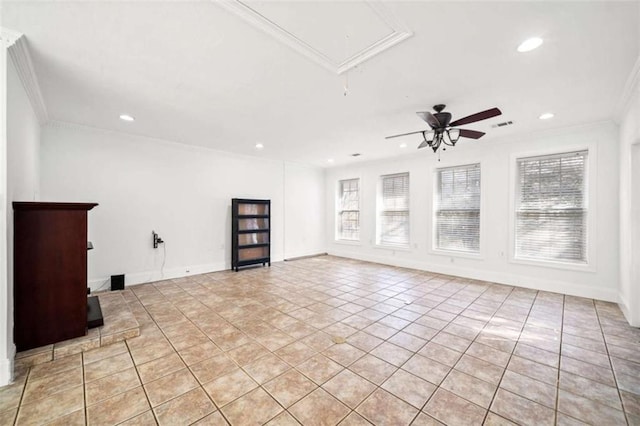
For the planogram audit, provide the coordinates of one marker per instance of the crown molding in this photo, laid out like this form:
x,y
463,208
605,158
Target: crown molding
x,y
19,53
56,125
400,32
633,84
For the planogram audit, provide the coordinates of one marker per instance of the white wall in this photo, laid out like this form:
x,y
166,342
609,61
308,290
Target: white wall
x,y
630,202
182,192
22,184
304,232
495,263
6,366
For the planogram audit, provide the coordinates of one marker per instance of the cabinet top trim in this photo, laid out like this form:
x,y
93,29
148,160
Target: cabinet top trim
x,y
40,205
249,201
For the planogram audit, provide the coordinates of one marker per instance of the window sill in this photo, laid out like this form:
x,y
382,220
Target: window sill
x,y
581,267
348,242
392,247
454,253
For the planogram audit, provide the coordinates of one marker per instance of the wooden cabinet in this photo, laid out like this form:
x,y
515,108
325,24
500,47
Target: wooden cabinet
x,y
50,272
250,232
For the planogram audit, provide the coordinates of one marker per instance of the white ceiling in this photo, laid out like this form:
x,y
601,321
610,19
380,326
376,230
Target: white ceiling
x,y
196,73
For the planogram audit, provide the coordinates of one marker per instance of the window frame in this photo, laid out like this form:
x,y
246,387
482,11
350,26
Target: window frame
x,y
433,249
338,236
379,209
590,195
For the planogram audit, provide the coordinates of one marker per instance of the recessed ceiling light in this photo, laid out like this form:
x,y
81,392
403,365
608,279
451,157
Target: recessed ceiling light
x,y
546,116
530,44
330,160
126,117
403,145
259,146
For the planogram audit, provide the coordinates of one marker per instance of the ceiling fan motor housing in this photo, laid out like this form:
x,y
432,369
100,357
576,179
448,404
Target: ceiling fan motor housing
x,y
444,118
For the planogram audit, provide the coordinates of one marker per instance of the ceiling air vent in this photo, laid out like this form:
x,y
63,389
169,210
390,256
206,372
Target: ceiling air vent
x,y
357,154
503,124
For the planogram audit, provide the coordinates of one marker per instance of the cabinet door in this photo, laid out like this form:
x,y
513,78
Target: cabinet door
x,y
50,276
253,238
253,208
253,224
253,253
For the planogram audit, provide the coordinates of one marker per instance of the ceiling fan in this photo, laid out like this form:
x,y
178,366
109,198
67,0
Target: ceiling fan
x,y
442,128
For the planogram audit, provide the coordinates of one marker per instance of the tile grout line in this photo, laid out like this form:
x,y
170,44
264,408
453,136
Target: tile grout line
x,y
84,391
557,402
24,390
615,378
146,395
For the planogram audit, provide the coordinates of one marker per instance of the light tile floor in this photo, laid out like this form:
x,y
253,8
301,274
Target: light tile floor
x,y
259,347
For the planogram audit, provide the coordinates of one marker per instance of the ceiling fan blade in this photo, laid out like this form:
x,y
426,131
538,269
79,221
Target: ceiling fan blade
x,y
471,134
423,144
404,134
478,116
429,118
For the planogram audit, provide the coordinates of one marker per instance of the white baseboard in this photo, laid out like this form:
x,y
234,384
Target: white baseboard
x,y
606,294
633,320
305,254
6,367
151,276
135,278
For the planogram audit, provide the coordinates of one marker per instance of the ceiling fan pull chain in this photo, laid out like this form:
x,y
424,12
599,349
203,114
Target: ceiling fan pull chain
x,y
346,73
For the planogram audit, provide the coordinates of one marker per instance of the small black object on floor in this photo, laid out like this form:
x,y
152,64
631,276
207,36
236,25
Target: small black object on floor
x,y
117,282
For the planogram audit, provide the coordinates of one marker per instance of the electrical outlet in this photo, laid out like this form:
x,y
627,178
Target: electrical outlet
x,y
156,239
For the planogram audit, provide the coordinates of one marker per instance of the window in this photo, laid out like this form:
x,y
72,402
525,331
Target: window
x,y
551,209
393,219
457,209
349,210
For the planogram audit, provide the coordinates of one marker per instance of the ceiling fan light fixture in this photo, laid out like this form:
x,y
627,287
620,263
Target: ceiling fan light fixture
x,y
530,44
454,135
429,137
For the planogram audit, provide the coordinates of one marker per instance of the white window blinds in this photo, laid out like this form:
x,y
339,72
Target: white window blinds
x,y
349,210
394,210
457,215
551,210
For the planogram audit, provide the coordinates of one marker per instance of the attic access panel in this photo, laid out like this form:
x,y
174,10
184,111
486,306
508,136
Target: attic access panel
x,y
337,35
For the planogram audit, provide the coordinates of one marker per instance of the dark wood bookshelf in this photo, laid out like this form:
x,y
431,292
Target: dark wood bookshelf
x,y
250,232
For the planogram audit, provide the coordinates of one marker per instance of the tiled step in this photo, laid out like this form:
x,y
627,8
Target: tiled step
x,y
119,324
